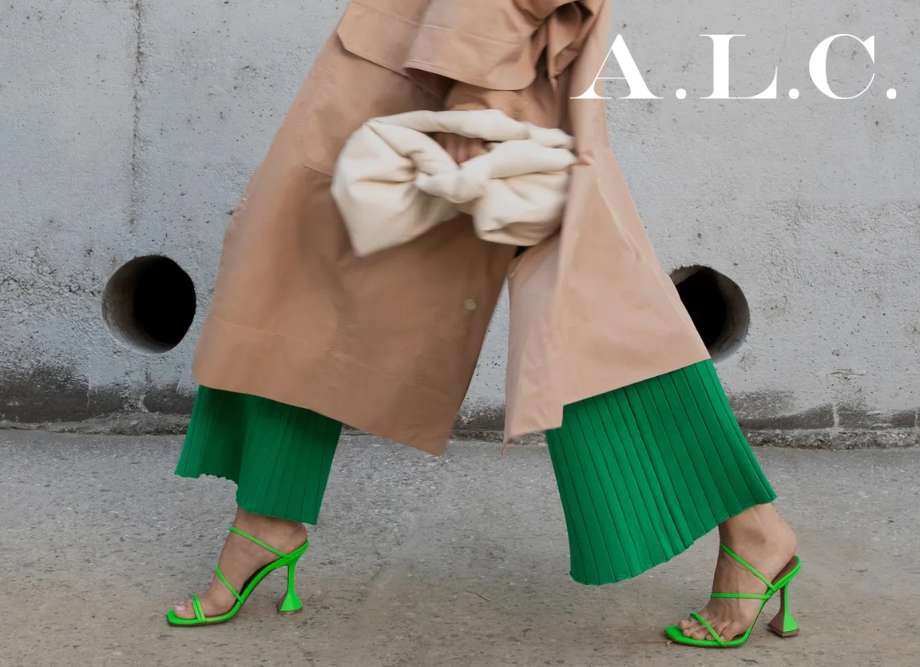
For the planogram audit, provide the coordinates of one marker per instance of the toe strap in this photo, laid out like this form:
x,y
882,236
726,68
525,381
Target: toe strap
x,y
196,605
702,621
227,584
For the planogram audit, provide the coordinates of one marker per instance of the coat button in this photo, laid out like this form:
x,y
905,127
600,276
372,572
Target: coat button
x,y
469,304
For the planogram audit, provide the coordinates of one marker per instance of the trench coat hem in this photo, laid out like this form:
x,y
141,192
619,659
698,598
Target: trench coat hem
x,y
553,419
235,357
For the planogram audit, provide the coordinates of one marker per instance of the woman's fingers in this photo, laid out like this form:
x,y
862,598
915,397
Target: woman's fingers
x,y
476,147
460,148
445,141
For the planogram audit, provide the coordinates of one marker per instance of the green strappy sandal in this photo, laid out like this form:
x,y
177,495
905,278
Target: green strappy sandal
x,y
783,624
289,604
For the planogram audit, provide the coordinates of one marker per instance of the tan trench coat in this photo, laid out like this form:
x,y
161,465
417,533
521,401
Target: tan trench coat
x,y
388,343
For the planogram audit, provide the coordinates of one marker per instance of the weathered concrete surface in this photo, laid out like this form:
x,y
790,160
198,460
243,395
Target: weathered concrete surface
x,y
130,127
424,561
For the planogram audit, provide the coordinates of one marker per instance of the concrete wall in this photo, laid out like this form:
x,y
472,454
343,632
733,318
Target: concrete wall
x,y
130,127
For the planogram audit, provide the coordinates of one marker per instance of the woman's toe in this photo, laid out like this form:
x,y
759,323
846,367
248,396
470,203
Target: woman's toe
x,y
687,625
184,609
701,631
692,630
704,633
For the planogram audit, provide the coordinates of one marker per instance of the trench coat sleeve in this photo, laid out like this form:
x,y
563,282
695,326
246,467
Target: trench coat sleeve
x,y
500,44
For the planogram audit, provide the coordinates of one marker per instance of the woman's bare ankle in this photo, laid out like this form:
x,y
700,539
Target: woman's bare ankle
x,y
288,534
760,529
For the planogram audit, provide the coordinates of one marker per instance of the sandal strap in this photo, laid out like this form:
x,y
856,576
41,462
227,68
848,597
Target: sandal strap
x,y
702,621
196,606
256,540
743,596
227,584
750,568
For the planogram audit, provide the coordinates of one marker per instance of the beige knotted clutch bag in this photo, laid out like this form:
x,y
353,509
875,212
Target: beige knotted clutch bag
x,y
392,182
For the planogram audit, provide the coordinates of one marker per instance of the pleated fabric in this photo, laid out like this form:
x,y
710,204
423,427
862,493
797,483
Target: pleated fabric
x,y
646,469
279,455
642,471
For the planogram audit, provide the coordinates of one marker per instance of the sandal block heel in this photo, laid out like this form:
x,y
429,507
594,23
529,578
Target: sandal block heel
x,y
784,624
291,603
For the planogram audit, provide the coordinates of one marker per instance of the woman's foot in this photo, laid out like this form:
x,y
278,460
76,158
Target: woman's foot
x,y
240,558
763,539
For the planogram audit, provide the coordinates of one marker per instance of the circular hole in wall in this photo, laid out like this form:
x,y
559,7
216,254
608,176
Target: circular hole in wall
x,y
717,306
149,303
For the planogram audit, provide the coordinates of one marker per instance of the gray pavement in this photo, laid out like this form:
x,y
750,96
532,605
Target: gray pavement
x,y
417,560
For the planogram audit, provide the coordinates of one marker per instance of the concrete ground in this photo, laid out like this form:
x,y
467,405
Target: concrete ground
x,y
458,560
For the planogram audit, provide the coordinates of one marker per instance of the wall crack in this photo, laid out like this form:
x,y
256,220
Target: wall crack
x,y
139,80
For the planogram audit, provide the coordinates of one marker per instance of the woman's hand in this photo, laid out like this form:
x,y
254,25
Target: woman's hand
x,y
460,148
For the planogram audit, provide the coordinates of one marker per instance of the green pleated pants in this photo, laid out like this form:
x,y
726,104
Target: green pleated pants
x,y
278,455
642,471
